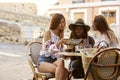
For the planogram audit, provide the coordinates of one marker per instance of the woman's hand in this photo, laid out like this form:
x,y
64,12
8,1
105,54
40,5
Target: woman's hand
x,y
62,41
54,51
82,43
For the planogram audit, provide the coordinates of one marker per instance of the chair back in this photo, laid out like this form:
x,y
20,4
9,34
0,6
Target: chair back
x,y
106,59
33,49
105,64
33,52
105,44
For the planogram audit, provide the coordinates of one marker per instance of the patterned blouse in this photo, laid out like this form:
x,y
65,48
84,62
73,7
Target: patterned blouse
x,y
49,47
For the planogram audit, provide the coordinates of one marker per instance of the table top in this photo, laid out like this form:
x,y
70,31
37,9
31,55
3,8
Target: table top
x,y
88,52
69,53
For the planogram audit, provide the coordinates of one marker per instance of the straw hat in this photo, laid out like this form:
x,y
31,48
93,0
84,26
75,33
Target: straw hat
x,y
80,23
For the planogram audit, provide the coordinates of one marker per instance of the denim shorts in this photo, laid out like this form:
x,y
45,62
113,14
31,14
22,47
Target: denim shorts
x,y
43,58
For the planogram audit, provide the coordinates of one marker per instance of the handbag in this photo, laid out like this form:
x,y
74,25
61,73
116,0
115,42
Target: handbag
x,y
88,53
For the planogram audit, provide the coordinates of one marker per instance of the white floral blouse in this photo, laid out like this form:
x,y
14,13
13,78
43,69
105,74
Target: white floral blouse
x,y
49,47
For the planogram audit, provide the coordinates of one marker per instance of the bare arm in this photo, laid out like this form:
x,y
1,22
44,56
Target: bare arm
x,y
47,36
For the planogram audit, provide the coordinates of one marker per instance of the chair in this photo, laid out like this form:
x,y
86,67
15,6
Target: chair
x,y
33,51
105,65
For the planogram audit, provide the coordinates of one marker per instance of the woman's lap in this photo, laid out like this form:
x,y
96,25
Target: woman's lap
x,y
42,58
44,64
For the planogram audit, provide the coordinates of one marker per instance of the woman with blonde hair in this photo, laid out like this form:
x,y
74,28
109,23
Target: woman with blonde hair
x,y
106,34
49,61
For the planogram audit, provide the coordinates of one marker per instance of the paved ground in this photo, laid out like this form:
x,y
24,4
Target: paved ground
x,y
13,63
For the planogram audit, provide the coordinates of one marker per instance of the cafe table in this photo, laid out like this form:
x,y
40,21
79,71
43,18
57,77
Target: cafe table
x,y
69,54
88,52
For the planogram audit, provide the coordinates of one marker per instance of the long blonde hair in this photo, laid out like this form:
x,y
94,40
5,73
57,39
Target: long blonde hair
x,y
56,18
112,37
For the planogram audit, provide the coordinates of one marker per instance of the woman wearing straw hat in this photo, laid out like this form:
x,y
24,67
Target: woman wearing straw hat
x,y
79,31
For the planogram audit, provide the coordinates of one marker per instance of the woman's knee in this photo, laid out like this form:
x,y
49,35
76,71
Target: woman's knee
x,y
60,62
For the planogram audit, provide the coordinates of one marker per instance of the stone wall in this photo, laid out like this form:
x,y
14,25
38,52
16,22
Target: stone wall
x,y
28,8
11,23
20,17
10,33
